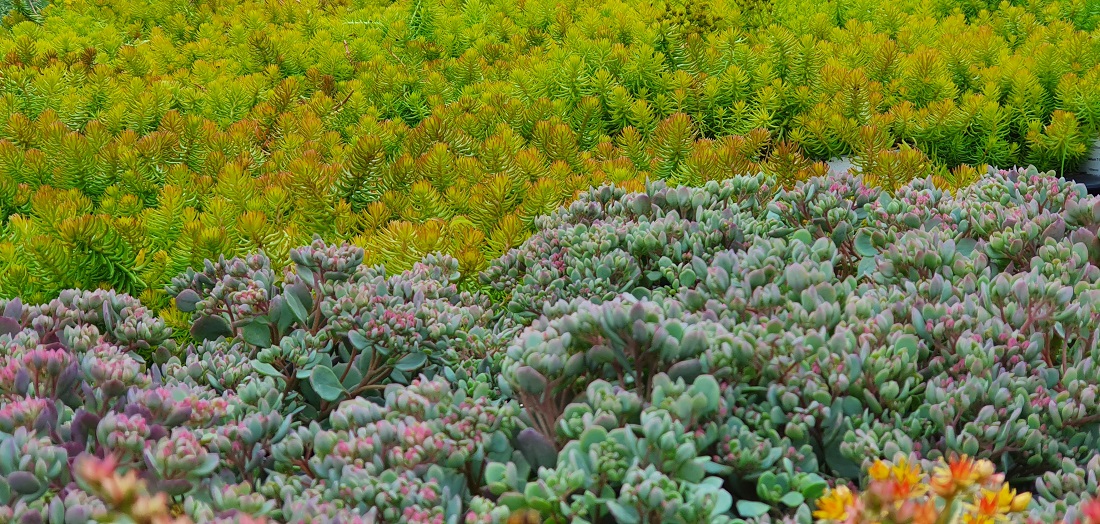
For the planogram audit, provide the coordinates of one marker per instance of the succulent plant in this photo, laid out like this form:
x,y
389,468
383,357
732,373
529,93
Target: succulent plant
x,y
646,468
752,350
125,159
330,329
850,324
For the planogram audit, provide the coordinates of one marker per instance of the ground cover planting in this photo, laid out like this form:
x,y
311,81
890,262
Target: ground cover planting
x,y
734,352
533,261
138,138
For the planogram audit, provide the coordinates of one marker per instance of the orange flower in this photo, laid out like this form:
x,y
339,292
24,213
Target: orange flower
x,y
926,513
956,475
918,512
834,505
993,505
907,480
1090,511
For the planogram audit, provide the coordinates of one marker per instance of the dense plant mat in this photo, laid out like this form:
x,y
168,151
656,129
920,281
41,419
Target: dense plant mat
x,y
694,355
138,138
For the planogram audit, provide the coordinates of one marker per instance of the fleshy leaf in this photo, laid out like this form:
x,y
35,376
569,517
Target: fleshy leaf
x,y
326,383
210,328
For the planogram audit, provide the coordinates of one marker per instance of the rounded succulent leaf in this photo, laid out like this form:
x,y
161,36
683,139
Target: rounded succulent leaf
x,y
325,382
187,300
530,380
210,328
539,450
24,483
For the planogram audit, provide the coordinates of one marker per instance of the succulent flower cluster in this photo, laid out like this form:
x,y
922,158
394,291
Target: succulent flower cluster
x,y
737,352
960,489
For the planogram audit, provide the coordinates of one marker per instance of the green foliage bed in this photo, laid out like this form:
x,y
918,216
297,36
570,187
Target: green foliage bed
x,y
138,138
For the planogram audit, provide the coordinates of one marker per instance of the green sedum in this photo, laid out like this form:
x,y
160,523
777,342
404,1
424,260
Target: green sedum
x,y
141,137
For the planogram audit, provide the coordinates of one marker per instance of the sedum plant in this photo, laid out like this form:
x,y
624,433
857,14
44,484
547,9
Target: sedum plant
x,y
139,138
747,351
331,328
845,323
91,430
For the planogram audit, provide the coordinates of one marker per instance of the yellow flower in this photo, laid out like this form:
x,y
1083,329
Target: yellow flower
x,y
834,504
1020,502
977,519
984,470
904,472
879,470
1004,498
